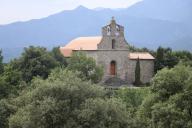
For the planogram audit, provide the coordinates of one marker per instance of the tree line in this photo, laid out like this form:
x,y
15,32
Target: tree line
x,y
42,89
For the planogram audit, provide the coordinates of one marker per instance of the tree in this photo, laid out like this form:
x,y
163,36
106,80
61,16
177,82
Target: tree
x,y
137,74
1,63
169,104
168,82
35,61
11,75
86,66
5,88
165,58
64,100
59,57
131,96
6,109
53,102
100,113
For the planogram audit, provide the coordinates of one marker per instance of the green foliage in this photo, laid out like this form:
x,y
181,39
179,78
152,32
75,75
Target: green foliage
x,y
11,75
134,49
133,97
165,115
165,58
6,109
60,97
64,100
5,89
35,61
59,57
53,102
169,105
99,113
170,81
86,66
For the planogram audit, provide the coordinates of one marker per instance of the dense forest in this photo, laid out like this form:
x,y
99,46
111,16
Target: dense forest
x,y
42,89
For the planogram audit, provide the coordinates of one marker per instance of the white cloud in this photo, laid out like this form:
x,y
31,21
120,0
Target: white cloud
x,y
22,10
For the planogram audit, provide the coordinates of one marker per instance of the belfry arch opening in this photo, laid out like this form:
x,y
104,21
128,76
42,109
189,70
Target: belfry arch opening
x,y
113,44
113,68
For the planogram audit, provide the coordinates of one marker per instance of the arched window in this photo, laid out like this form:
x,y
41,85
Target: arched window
x,y
113,68
117,28
113,44
108,30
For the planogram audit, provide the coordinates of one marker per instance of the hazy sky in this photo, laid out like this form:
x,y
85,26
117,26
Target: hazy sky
x,y
22,10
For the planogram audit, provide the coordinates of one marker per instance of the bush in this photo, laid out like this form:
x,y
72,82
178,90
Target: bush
x,y
52,102
86,66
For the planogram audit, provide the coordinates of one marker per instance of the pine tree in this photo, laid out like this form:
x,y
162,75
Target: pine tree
x,y
137,73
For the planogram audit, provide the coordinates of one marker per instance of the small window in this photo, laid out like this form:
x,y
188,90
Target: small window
x,y
108,30
117,28
113,44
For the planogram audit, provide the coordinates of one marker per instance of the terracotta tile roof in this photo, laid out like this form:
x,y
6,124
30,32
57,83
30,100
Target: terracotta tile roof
x,y
81,43
66,52
84,43
141,56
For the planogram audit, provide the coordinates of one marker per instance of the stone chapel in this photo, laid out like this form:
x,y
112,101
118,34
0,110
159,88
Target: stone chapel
x,y
111,50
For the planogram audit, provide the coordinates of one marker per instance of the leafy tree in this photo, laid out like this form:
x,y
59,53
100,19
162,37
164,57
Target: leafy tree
x,y
9,82
170,81
11,75
133,97
35,61
99,113
59,57
169,105
64,100
165,58
159,59
52,102
6,109
86,66
165,115
5,89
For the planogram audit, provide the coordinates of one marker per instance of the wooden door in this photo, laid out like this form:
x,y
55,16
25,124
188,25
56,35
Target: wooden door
x,y
113,68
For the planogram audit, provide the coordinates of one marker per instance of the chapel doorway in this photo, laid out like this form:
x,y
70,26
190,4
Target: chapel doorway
x,y
113,68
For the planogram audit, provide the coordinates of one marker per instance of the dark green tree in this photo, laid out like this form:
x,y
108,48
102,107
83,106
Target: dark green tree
x,y
137,74
5,89
12,75
169,105
6,109
35,61
165,58
100,113
159,63
59,57
53,102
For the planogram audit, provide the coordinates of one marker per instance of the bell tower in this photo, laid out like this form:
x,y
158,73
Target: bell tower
x,y
113,37
113,29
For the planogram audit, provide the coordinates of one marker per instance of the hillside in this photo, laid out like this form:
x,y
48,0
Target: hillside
x,y
146,25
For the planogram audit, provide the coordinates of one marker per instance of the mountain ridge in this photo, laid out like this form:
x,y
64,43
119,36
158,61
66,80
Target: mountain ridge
x,y
60,28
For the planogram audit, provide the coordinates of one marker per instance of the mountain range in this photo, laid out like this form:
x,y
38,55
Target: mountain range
x,y
149,23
